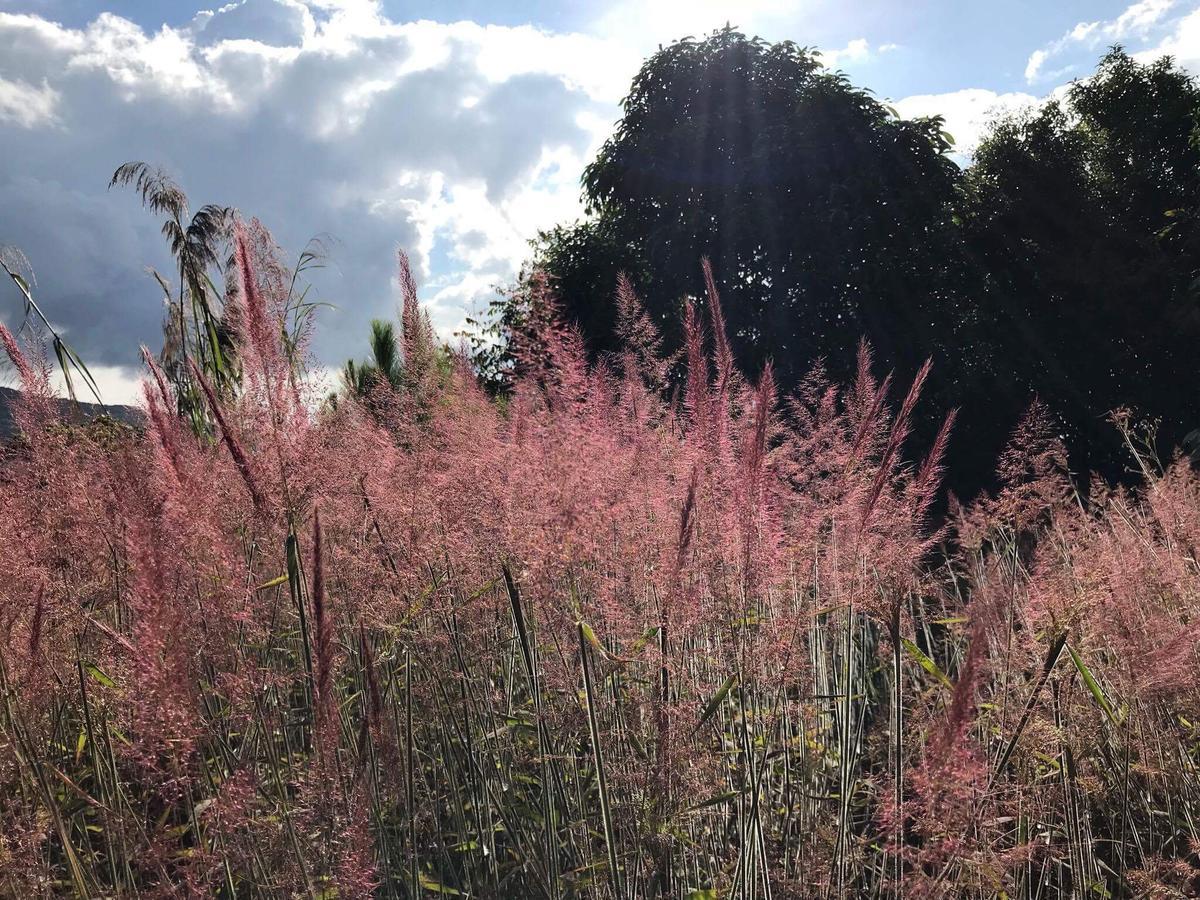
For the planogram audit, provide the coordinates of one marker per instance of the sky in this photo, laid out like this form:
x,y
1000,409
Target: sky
x,y
452,129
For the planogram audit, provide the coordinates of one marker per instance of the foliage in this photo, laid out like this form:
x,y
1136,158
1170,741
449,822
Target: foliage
x,y
410,367
1083,215
603,640
1059,264
384,365
509,343
825,216
195,327
203,320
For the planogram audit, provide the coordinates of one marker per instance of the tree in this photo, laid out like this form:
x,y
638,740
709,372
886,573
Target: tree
x,y
825,215
1062,264
384,365
1083,215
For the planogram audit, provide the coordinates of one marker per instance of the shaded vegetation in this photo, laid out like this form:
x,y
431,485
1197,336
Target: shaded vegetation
x,y
1060,264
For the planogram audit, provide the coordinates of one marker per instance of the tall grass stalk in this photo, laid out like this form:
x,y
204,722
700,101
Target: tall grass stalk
x,y
593,641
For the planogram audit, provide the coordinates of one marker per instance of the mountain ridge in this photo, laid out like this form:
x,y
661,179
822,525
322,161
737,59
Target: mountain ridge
x,y
68,411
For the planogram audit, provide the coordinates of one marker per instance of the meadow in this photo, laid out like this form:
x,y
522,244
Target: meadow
x,y
643,628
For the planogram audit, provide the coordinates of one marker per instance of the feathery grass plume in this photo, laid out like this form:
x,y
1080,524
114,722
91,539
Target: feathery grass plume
x,y
1033,732
159,408
1033,476
34,408
696,393
753,478
323,662
528,338
687,522
935,831
867,404
24,369
929,476
723,352
896,438
641,340
240,459
35,628
263,338
418,342
166,395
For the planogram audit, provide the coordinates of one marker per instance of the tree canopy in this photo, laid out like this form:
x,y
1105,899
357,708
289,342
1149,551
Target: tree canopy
x,y
1080,219
824,214
1060,264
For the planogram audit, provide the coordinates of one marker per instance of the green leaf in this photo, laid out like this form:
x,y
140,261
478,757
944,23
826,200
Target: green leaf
x,y
717,699
98,674
63,364
586,630
1093,685
437,887
925,662
648,635
68,359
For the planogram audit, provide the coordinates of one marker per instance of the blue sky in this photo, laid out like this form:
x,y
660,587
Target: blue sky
x,y
947,45
454,129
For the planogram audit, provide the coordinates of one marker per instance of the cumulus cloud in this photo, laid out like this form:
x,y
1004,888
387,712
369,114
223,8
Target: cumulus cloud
x,y
855,51
1137,22
275,23
967,113
1156,26
25,105
456,141
1182,41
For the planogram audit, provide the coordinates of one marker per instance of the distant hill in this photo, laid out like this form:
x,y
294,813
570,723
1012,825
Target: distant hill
x,y
130,415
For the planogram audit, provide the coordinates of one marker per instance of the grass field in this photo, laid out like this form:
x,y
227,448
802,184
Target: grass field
x,y
605,638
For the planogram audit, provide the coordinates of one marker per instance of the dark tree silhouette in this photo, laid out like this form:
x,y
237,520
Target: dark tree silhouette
x,y
825,216
1062,264
1082,217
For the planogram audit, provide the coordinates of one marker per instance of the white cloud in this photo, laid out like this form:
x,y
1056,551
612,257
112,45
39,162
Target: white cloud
x,y
855,51
117,385
1182,42
967,113
1137,22
1134,20
1034,67
274,23
322,116
457,141
25,105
